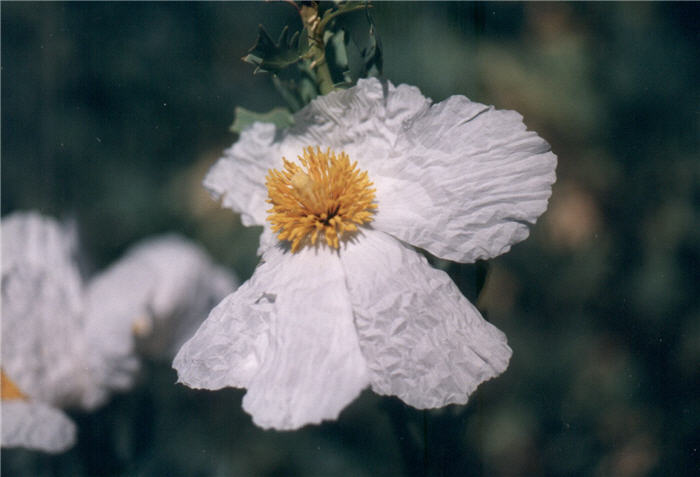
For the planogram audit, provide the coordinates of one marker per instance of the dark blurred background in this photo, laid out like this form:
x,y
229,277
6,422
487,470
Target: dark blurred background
x,y
112,113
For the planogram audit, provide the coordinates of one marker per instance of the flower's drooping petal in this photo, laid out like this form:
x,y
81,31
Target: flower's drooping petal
x,y
159,292
35,426
463,181
42,342
288,336
238,178
423,341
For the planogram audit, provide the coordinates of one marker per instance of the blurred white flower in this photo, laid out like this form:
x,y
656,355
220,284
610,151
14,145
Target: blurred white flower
x,y
42,341
153,299
65,346
343,300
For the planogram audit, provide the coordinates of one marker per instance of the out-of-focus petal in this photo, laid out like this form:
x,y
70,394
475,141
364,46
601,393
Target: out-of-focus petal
x,y
35,426
42,342
423,341
160,292
287,335
463,181
30,239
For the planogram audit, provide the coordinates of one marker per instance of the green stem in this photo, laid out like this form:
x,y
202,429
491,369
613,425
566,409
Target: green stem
x,y
315,27
323,75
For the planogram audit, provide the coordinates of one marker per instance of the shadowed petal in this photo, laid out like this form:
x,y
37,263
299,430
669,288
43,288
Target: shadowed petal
x,y
423,341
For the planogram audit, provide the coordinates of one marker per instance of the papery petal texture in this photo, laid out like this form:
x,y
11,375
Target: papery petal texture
x,y
287,335
36,426
364,121
238,178
423,341
468,180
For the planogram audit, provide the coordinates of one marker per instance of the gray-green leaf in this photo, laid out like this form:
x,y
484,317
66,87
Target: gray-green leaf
x,y
280,117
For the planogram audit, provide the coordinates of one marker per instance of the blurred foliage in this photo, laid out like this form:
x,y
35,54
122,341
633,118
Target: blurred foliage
x,y
280,117
113,112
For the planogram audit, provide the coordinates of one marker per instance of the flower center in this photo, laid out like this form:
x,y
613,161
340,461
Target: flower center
x,y
8,389
326,194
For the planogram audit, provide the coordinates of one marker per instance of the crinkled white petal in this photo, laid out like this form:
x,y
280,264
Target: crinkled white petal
x,y
238,178
423,341
287,335
160,292
42,304
364,121
465,181
35,426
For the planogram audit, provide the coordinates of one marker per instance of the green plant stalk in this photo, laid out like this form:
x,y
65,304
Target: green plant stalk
x,y
323,73
317,53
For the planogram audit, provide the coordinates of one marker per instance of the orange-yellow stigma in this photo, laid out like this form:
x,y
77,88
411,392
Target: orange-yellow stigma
x,y
8,389
326,194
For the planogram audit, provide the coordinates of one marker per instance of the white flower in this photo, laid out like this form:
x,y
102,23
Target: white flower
x,y
70,345
343,300
42,343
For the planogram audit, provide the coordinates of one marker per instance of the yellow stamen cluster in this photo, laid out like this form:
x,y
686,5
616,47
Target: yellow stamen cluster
x,y
324,195
8,389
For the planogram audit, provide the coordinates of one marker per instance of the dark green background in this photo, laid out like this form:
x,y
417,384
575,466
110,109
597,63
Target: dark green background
x,y
112,113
